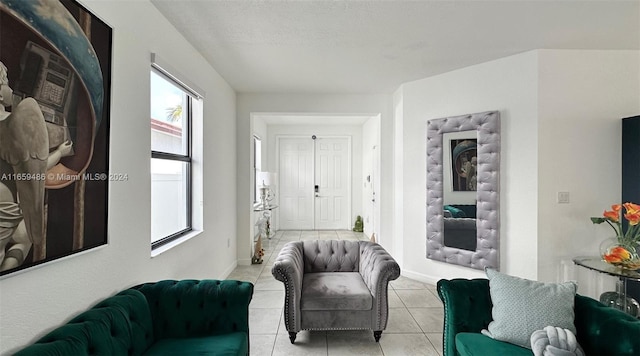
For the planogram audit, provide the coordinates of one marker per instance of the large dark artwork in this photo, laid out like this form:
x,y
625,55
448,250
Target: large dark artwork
x,y
55,79
631,176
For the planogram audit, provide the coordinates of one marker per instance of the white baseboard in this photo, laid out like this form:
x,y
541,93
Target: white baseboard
x,y
229,269
244,262
420,277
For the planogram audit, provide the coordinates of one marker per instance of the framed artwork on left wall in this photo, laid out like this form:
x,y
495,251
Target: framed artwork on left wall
x,y
55,85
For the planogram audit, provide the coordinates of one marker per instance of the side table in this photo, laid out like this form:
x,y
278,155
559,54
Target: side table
x,y
264,230
617,299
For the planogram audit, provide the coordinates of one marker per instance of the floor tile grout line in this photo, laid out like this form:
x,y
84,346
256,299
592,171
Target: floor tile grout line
x,y
326,343
275,339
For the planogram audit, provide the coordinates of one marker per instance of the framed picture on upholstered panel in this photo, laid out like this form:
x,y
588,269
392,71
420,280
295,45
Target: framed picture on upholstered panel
x,y
55,78
461,158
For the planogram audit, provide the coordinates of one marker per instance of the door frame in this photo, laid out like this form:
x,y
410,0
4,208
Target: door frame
x,y
349,174
373,200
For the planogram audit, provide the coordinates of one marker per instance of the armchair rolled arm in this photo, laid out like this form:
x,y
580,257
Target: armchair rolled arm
x,y
603,330
377,268
189,308
289,269
467,308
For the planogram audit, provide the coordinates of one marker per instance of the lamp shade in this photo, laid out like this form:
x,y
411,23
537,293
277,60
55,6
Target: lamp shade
x,y
266,179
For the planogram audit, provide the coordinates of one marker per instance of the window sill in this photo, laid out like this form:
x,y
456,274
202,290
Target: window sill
x,y
166,247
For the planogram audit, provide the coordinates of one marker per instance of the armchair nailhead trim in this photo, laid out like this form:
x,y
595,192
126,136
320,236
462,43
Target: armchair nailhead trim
x,y
289,324
445,302
335,329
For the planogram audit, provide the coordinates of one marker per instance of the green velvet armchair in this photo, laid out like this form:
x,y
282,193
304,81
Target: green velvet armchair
x,y
600,330
188,317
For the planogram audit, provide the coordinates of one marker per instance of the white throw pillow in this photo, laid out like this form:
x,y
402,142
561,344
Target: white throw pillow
x,y
522,306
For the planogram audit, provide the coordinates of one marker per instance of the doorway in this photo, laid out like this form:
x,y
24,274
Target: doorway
x,y
315,182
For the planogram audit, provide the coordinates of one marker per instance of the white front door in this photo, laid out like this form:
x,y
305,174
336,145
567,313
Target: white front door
x,y
296,183
315,179
332,182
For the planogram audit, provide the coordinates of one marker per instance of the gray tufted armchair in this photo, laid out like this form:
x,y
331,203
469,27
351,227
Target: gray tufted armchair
x,y
335,284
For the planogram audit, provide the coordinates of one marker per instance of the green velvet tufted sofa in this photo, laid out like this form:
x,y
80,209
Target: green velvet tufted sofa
x,y
188,317
600,330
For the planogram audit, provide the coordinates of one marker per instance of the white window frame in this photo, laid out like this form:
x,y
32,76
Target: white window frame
x,y
193,157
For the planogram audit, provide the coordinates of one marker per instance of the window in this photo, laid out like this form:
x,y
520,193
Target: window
x,y
172,119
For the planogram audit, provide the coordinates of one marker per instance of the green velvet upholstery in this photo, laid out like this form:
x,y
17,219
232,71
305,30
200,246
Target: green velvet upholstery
x,y
603,330
225,345
467,308
198,308
476,344
600,330
190,316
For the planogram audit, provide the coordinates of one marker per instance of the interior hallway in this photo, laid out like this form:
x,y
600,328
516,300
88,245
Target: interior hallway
x,y
415,313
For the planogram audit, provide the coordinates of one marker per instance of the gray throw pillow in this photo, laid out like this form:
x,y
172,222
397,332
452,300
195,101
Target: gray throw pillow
x,y
521,306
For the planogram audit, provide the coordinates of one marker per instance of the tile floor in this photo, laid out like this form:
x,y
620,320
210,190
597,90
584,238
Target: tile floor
x,y
415,313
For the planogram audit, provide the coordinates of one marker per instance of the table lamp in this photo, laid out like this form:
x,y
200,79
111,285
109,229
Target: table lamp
x,y
266,182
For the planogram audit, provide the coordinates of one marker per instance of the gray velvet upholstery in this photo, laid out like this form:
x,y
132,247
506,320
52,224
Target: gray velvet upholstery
x,y
335,284
335,291
331,256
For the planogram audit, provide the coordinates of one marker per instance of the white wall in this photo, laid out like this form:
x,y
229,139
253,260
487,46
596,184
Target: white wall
x,y
560,119
510,86
256,103
583,95
398,175
371,167
37,300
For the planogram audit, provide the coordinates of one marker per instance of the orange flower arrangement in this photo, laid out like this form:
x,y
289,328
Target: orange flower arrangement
x,y
624,252
617,254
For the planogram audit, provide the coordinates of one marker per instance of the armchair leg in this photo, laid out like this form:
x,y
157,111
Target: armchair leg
x,y
292,336
377,335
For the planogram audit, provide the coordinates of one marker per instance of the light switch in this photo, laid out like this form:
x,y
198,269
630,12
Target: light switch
x,y
563,197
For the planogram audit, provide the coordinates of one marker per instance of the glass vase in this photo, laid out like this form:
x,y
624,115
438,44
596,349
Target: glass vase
x,y
619,254
620,301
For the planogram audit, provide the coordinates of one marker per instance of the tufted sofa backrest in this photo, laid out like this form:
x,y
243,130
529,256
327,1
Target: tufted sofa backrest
x,y
119,325
192,308
331,256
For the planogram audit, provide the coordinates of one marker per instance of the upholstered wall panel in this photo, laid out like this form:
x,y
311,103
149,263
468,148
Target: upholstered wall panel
x,y
487,125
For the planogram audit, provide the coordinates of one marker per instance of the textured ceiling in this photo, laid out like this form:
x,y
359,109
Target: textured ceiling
x,y
374,46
